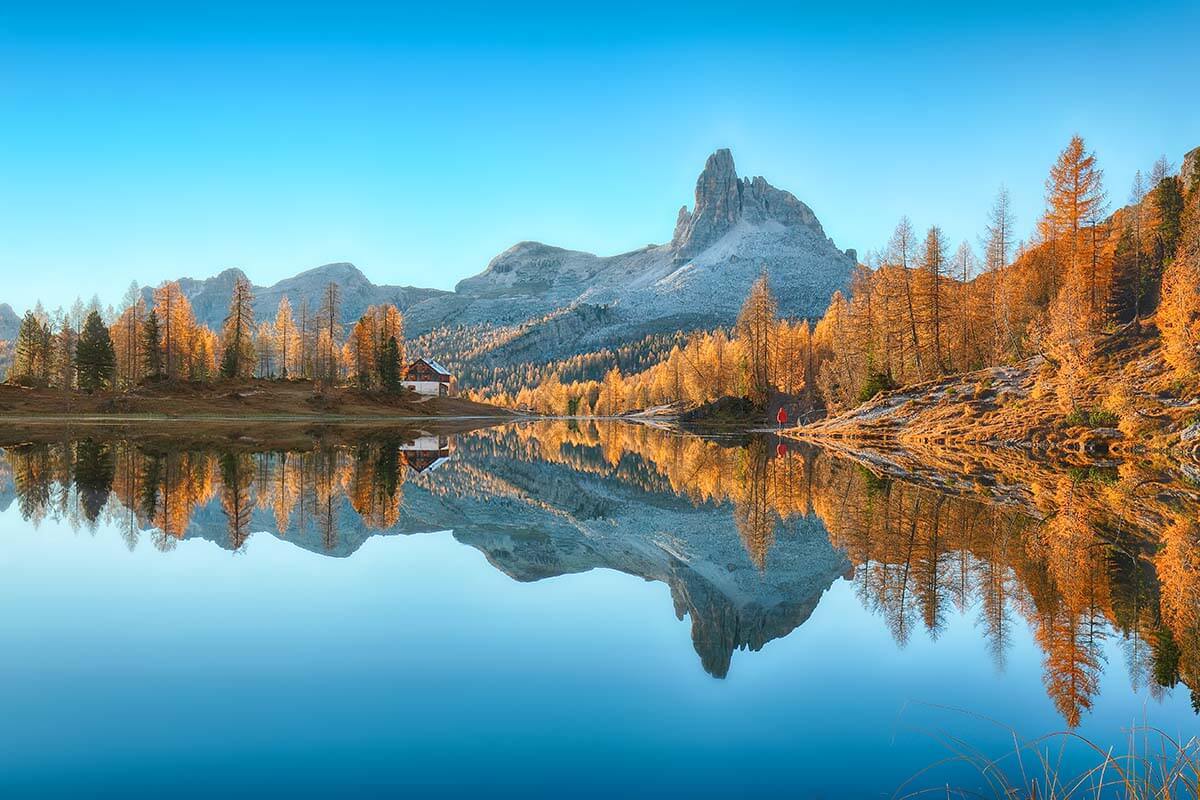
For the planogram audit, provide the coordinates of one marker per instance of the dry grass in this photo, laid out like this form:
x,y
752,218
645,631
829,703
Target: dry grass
x,y
236,399
1129,405
1153,766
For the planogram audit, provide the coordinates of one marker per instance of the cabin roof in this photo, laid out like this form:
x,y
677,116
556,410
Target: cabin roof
x,y
426,460
435,366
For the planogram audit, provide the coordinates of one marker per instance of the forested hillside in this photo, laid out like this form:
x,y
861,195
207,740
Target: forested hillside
x,y
1086,283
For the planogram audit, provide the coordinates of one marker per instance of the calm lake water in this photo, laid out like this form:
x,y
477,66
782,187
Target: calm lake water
x,y
546,610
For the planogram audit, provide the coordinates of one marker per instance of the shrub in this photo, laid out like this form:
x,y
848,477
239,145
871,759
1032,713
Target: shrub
x,y
1105,476
1091,418
876,382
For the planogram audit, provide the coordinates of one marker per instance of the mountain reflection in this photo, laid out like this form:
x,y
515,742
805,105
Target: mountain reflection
x,y
748,534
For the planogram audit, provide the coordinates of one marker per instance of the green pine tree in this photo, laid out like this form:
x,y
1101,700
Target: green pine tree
x,y
31,352
389,366
152,346
1168,199
95,356
1127,280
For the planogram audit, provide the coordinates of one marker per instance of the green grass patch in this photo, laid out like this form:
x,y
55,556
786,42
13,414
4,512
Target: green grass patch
x,y
1102,475
1091,418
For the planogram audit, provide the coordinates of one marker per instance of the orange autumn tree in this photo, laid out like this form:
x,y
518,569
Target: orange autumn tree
x,y
1177,565
177,325
129,344
286,341
374,352
1075,200
756,327
1179,310
358,354
205,344
238,332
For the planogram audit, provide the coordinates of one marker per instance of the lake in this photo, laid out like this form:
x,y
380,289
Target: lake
x,y
578,609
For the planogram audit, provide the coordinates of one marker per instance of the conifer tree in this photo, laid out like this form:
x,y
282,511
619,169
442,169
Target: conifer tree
x,y
329,332
31,352
1126,295
389,324
237,359
1179,317
152,346
203,347
360,351
286,340
389,366
1179,313
304,332
998,244
1075,198
63,347
975,313
756,328
178,326
1132,274
95,357
1168,205
901,253
126,333
933,265
264,350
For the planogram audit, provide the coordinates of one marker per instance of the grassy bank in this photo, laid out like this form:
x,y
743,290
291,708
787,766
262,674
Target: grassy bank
x,y
249,400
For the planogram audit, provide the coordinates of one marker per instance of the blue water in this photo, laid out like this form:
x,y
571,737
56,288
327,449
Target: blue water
x,y
414,667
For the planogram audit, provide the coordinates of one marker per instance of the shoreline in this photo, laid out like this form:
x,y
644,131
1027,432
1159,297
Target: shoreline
x,y
101,419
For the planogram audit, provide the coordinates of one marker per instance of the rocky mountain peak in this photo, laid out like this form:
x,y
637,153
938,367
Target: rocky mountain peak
x,y
230,275
526,264
717,208
1190,169
339,272
723,200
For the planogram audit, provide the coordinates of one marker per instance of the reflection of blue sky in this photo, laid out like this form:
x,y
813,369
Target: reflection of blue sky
x,y
415,661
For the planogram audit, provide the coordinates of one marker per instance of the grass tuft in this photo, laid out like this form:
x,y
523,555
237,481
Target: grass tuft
x,y
1156,766
1091,418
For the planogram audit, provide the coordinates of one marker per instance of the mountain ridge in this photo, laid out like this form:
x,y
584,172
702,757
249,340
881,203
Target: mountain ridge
x,y
210,296
736,229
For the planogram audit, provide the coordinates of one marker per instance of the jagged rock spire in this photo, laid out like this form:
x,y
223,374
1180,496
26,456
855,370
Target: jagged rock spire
x,y
723,200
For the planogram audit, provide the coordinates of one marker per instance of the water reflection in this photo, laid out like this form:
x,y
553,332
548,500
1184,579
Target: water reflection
x,y
747,533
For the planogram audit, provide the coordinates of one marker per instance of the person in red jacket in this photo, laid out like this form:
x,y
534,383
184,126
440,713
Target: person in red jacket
x,y
781,417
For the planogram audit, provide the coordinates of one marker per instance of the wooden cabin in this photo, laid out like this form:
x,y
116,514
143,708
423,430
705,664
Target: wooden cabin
x,y
426,453
427,377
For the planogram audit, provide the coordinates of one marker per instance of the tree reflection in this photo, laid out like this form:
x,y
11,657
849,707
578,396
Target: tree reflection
x,y
1077,556
236,477
94,471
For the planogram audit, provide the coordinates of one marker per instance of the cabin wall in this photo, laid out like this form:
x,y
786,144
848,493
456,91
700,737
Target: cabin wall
x,y
429,388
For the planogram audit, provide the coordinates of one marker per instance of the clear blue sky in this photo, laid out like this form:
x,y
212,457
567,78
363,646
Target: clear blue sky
x,y
153,140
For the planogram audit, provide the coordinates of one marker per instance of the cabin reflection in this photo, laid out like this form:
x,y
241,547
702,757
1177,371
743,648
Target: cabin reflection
x,y
427,452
